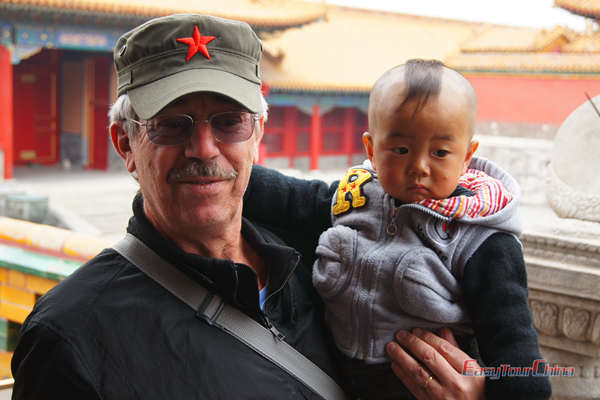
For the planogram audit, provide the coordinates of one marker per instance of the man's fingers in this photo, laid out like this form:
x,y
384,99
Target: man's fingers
x,y
424,354
429,355
416,378
448,350
447,334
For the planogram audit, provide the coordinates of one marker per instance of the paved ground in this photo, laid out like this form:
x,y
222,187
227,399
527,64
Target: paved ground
x,y
99,202
90,201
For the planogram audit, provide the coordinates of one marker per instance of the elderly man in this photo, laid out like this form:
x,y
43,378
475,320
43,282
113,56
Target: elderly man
x,y
187,125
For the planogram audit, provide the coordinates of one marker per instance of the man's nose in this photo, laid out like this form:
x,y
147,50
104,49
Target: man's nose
x,y
202,143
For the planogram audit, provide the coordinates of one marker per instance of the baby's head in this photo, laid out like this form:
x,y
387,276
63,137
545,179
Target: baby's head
x,y
421,125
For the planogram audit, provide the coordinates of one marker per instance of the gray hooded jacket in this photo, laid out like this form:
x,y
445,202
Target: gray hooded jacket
x,y
384,267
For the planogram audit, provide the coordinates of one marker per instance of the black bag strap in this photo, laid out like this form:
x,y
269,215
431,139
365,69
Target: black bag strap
x,y
211,308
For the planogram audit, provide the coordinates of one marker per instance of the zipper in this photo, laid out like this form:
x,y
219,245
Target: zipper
x,y
276,334
367,274
428,211
270,326
368,269
392,228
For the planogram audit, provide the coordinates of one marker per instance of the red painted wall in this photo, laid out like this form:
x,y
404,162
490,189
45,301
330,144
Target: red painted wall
x,y
6,110
530,99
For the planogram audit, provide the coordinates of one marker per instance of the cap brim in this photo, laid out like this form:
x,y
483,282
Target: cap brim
x,y
149,99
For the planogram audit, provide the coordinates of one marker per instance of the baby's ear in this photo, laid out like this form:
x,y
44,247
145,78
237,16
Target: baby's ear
x,y
473,146
368,143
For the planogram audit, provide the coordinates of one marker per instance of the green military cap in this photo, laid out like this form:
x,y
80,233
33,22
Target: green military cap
x,y
168,57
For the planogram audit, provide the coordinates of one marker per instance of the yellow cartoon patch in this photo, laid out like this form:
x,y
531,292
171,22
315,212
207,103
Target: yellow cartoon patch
x,y
351,183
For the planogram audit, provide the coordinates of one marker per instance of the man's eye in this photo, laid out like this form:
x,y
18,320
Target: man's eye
x,y
441,153
226,122
400,150
172,123
230,122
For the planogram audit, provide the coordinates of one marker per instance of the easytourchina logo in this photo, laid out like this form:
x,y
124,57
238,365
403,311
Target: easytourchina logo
x,y
538,368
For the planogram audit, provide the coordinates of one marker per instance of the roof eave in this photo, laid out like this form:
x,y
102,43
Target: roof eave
x,y
125,15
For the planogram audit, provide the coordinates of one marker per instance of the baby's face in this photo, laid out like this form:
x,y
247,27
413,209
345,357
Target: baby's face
x,y
421,157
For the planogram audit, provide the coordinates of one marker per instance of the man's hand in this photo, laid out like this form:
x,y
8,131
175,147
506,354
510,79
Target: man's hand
x,y
434,371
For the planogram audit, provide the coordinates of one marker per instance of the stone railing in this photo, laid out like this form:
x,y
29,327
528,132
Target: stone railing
x,y
564,296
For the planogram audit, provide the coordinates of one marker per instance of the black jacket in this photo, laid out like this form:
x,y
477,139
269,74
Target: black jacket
x,y
110,332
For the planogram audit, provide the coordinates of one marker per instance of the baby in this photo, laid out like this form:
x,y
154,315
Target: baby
x,y
425,235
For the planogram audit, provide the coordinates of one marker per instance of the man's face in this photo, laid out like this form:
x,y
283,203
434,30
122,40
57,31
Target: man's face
x,y
177,203
421,157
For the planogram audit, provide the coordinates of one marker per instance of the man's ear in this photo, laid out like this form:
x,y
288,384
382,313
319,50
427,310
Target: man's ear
x,y
261,128
122,145
368,143
259,135
473,146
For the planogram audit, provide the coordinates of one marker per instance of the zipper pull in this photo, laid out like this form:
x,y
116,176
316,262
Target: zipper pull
x,y
274,330
391,228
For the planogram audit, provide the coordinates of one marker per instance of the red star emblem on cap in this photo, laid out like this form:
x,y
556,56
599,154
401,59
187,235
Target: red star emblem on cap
x,y
197,43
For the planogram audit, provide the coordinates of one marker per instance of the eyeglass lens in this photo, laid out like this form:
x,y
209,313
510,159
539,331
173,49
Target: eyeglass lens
x,y
227,127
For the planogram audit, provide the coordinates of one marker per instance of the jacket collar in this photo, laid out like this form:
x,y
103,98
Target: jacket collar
x,y
236,283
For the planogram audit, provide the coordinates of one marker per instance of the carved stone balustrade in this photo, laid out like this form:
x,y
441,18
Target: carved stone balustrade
x,y
564,296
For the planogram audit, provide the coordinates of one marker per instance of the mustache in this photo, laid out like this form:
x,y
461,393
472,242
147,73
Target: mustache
x,y
197,168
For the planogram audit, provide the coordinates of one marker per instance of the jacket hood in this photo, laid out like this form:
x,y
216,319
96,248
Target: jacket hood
x,y
498,191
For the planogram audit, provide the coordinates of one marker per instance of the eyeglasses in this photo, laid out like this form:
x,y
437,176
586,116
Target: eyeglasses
x,y
226,127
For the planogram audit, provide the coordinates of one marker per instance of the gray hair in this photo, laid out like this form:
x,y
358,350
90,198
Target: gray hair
x,y
122,111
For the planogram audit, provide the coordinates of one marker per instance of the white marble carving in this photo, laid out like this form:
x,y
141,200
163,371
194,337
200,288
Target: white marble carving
x,y
568,202
574,187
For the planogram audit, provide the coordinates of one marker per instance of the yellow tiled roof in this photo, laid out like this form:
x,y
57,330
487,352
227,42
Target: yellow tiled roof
x,y
528,62
351,48
503,38
584,44
273,13
496,38
589,8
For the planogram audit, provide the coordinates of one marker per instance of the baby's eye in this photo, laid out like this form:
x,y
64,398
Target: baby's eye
x,y
400,150
441,153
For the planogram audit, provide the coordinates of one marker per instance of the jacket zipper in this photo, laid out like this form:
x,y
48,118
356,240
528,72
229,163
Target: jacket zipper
x,y
367,270
270,326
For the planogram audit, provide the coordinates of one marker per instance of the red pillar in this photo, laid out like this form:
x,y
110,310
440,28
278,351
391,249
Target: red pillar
x,y
99,80
315,138
349,132
6,110
289,133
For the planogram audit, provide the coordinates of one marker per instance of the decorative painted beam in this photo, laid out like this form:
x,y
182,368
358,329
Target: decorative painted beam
x,y
66,37
306,100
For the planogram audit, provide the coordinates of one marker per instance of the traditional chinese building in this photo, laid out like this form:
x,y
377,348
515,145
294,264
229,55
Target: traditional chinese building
x,y
527,80
318,66
56,75
319,76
